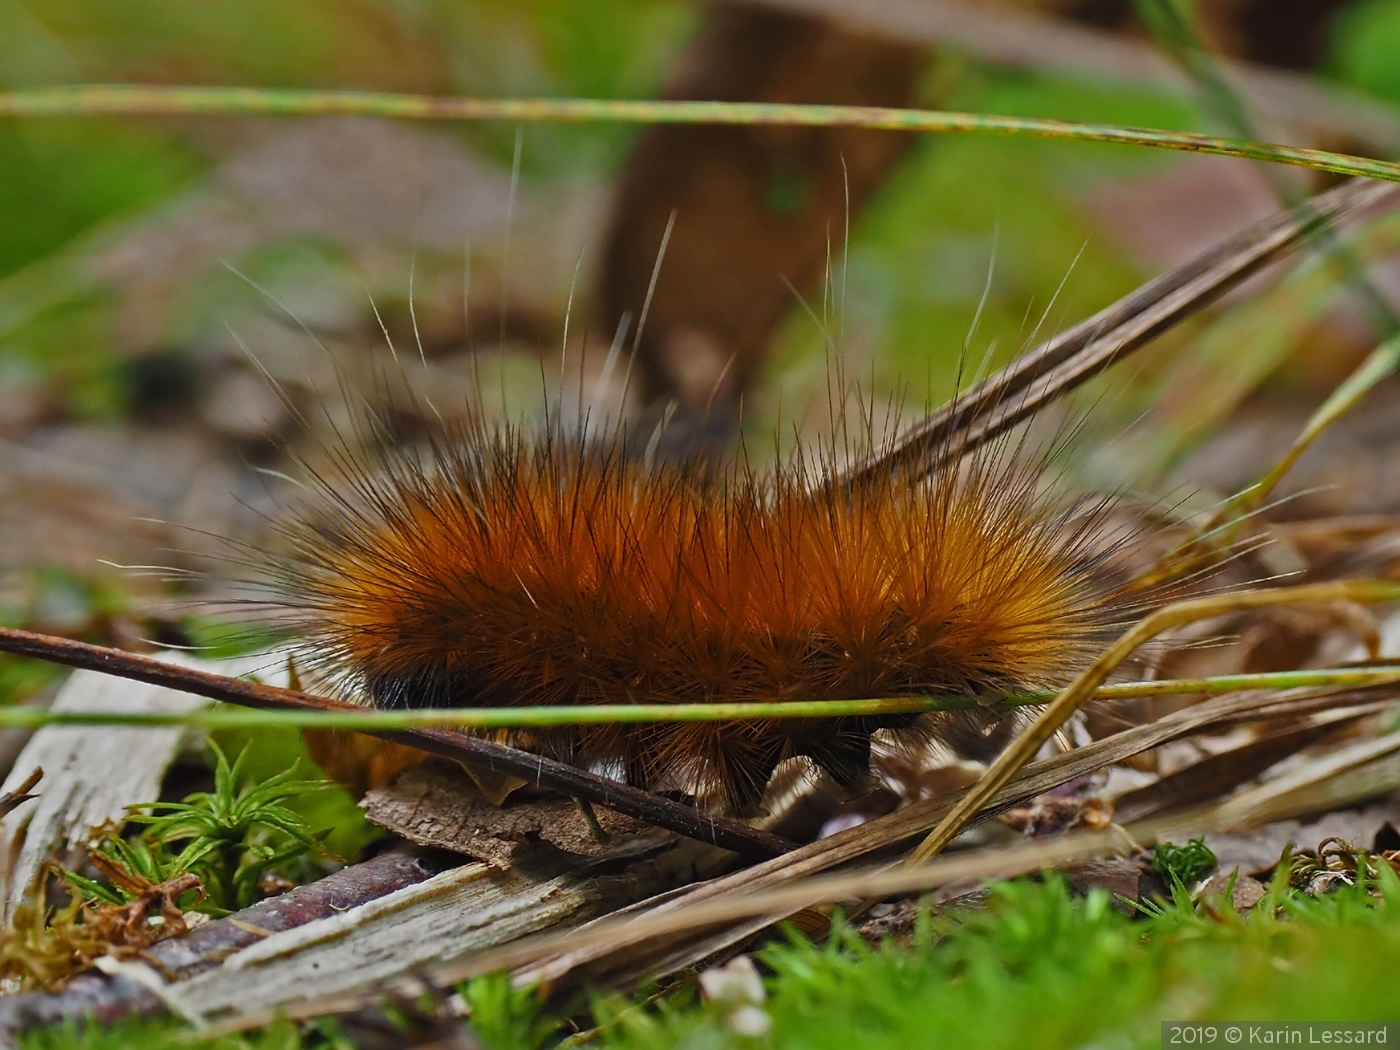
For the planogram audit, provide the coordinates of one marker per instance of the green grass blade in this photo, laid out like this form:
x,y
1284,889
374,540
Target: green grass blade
x,y
224,718
135,100
1381,362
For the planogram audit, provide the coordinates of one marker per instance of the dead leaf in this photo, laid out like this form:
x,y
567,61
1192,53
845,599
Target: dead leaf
x,y
438,805
1245,891
1120,876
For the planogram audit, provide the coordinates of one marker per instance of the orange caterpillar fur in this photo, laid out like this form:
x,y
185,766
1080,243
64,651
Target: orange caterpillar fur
x,y
496,571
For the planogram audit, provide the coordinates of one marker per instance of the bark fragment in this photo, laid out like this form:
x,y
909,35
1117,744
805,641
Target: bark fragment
x,y
105,998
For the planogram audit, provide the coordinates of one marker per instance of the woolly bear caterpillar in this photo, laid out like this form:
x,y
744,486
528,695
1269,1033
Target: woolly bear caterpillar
x,y
500,570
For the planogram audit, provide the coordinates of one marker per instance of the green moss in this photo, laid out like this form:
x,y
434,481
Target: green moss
x,y
1042,968
268,752
1185,863
168,1035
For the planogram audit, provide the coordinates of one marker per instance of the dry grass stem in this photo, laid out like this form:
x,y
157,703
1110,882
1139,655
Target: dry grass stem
x,y
1078,692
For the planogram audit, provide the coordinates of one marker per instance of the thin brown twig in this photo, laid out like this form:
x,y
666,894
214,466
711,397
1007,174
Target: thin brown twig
x,y
469,750
11,800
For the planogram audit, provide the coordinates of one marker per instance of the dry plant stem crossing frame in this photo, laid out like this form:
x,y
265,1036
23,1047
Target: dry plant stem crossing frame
x,y
1076,355
473,751
1024,747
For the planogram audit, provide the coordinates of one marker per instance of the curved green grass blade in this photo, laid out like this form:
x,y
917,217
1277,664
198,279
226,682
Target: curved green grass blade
x,y
1382,362
135,100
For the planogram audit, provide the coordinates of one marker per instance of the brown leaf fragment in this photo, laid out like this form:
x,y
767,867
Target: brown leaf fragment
x,y
1245,891
1120,876
1052,813
438,805
891,920
919,776
132,917
44,947
496,788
